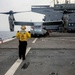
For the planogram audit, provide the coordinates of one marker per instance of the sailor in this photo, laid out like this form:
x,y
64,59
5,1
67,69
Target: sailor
x,y
23,37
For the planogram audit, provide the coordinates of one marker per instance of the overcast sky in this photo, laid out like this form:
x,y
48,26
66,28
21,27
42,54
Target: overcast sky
x,y
21,5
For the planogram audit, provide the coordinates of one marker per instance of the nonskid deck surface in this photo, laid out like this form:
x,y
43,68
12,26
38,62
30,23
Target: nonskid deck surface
x,y
53,55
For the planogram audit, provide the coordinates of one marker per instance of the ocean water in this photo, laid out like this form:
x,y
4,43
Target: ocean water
x,y
6,34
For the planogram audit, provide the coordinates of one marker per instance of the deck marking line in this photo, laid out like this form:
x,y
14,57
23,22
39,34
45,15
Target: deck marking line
x,y
15,66
28,49
34,40
7,40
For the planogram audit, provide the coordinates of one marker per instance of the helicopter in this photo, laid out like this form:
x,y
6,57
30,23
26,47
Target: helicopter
x,y
39,28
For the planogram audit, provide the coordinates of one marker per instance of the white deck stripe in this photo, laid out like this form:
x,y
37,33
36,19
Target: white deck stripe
x,y
7,40
34,40
28,49
15,66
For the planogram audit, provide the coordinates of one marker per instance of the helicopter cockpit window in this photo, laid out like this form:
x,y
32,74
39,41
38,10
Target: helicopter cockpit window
x,y
37,27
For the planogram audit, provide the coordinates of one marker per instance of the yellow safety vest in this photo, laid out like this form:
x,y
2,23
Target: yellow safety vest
x,y
23,36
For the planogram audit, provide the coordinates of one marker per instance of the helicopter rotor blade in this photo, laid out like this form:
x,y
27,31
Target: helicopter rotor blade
x,y
11,12
21,12
4,12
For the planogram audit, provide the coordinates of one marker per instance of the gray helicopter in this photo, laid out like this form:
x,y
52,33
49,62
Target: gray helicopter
x,y
39,28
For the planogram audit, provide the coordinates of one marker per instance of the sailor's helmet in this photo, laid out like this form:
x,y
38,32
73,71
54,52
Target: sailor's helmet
x,y
23,27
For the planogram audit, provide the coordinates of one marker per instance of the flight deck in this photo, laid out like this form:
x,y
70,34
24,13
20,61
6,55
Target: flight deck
x,y
51,55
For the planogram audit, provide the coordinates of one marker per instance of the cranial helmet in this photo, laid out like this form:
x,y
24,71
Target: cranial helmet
x,y
23,27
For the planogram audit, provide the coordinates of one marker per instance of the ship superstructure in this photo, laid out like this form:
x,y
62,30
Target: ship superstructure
x,y
56,13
